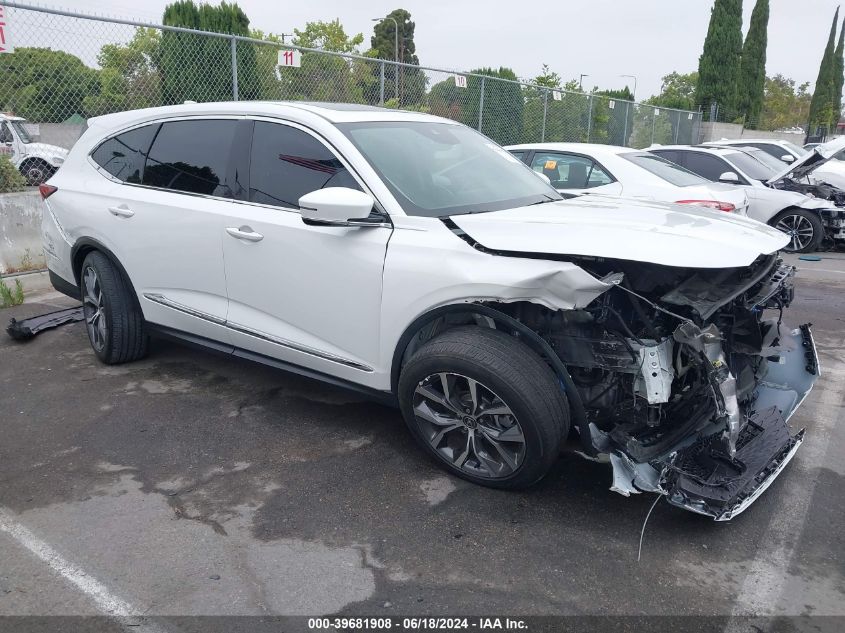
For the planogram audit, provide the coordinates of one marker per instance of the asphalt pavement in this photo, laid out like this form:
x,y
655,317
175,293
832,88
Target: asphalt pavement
x,y
194,484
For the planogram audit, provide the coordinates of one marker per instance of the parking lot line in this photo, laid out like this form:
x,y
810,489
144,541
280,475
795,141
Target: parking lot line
x,y
104,599
762,591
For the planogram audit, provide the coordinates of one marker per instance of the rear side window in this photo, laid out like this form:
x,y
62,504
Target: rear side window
x,y
191,156
286,163
123,156
569,171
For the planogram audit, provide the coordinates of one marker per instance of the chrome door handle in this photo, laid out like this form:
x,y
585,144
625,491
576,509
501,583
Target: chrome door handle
x,y
122,211
244,233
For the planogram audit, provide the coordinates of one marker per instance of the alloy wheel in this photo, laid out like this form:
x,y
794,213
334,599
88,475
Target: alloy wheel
x,y
799,230
93,306
469,426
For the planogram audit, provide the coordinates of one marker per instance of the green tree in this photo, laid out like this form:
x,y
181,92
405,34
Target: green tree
x,y
784,104
199,67
838,76
612,117
822,104
752,70
718,66
446,99
44,85
129,77
676,91
537,106
501,118
326,77
411,81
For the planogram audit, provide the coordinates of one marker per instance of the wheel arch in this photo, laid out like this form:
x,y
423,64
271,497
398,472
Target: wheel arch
x,y
472,312
80,251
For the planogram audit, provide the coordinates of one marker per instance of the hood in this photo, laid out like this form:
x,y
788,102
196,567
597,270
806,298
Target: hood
x,y
620,228
45,150
805,165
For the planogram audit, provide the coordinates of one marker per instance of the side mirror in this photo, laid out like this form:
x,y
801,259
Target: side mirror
x,y
729,177
787,158
544,177
336,206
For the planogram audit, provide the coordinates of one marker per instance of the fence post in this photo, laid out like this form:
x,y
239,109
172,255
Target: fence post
x,y
678,127
653,122
625,125
481,105
545,109
234,43
381,85
589,116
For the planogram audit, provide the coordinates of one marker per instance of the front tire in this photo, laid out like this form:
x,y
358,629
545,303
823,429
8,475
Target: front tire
x,y
37,171
804,229
485,406
113,317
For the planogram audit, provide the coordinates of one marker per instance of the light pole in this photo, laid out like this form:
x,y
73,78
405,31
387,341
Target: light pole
x,y
580,80
634,77
395,53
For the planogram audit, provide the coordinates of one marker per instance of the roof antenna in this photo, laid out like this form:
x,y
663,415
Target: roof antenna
x,y
642,532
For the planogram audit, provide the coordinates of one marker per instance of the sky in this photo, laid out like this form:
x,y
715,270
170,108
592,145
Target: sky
x,y
600,38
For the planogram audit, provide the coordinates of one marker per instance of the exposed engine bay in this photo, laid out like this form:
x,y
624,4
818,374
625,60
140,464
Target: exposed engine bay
x,y
686,385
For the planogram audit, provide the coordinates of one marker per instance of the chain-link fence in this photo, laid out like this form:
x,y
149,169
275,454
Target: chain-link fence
x,y
66,67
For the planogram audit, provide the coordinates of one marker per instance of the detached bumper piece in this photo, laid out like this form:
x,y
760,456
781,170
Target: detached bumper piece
x,y
703,478
28,328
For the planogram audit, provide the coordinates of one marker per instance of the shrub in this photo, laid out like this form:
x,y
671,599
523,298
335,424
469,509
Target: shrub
x,y
10,178
9,297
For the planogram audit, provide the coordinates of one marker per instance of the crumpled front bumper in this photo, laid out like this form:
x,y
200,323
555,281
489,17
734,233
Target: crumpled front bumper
x,y
701,477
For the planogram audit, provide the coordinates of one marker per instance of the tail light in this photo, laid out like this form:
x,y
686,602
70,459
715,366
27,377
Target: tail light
x,y
711,204
46,190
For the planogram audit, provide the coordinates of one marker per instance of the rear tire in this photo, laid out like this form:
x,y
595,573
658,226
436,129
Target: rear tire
x,y
113,317
503,432
805,229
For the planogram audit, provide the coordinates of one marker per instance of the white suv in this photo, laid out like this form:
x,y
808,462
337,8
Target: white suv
x,y
36,161
413,258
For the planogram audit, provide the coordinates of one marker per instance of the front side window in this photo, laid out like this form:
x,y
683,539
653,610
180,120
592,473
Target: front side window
x,y
5,134
707,166
123,156
191,156
286,163
438,169
568,171
663,169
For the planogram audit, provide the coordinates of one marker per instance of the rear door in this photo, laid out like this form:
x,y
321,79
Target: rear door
x,y
574,173
163,214
308,295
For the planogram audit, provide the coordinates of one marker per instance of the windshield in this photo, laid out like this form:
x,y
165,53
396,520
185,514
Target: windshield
x,y
23,135
767,159
439,169
664,169
752,167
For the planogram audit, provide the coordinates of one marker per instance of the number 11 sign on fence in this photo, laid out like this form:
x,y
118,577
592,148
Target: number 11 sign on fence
x,y
290,57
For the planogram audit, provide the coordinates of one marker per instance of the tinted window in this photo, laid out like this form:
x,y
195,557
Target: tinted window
x,y
567,171
5,134
287,163
663,169
123,156
670,155
771,149
706,166
191,156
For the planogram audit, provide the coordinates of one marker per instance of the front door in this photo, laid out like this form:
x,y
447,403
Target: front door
x,y
308,295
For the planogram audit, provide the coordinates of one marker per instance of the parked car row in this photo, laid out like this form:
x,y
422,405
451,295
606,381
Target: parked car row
x,y
790,195
412,258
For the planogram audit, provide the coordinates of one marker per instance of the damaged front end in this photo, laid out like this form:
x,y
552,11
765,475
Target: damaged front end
x,y
687,382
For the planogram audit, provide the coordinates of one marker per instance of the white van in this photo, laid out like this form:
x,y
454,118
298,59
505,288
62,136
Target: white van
x,y
36,161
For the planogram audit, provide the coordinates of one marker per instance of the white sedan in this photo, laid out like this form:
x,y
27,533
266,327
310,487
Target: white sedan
x,y
579,168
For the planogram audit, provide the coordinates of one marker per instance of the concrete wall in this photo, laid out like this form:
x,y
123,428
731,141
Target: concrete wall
x,y
20,231
719,131
60,134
